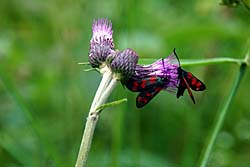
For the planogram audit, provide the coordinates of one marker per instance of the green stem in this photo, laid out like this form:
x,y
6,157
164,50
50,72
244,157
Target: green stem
x,y
106,78
86,140
106,93
220,118
209,61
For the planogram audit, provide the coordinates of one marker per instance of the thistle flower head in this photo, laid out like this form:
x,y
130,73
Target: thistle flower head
x,y
101,43
99,52
102,28
124,63
162,73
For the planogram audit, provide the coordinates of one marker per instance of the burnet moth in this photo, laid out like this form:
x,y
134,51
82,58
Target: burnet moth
x,y
149,86
188,81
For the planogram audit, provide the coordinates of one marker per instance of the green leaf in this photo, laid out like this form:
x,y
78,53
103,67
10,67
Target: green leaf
x,y
83,63
111,104
91,69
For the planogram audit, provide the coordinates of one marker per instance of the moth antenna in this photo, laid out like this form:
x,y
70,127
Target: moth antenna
x,y
162,60
179,68
177,57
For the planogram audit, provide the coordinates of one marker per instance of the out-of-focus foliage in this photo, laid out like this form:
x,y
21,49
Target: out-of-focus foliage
x,y
45,96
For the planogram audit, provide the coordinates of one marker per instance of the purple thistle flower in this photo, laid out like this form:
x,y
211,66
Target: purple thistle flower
x,y
149,80
162,73
101,43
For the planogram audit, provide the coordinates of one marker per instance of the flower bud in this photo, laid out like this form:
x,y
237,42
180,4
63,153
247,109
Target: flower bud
x,y
124,63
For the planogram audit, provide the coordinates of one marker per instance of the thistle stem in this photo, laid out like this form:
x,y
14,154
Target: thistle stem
x,y
104,90
107,92
107,76
220,118
209,61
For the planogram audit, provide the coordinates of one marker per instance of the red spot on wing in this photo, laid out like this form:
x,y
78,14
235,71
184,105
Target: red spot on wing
x,y
189,75
158,89
198,86
152,79
142,99
135,86
148,94
194,82
143,84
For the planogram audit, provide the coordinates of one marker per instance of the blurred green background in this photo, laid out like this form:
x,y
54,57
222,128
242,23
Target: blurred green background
x,y
45,96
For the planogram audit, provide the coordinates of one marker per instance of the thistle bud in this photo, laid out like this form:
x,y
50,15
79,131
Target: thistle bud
x,y
124,63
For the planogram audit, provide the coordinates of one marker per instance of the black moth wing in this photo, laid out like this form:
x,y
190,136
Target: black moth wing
x,y
146,96
187,81
181,88
194,83
143,84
